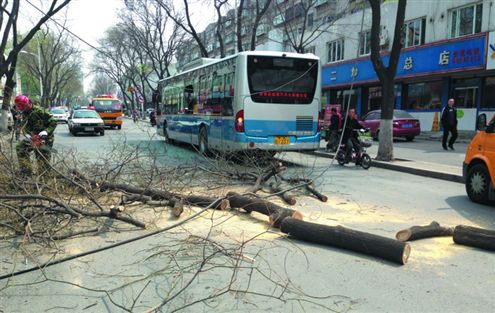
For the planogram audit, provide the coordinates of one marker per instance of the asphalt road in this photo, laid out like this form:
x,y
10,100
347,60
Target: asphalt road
x,y
439,277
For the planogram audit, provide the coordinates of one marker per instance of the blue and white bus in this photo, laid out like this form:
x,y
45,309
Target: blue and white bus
x,y
252,100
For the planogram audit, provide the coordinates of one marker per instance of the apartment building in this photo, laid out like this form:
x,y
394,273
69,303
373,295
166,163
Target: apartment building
x,y
284,22
449,52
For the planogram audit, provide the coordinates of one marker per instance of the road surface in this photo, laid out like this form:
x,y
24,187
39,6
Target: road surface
x,y
272,272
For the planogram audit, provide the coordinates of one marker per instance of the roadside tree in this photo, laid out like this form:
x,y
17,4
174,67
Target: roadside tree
x,y
386,74
13,41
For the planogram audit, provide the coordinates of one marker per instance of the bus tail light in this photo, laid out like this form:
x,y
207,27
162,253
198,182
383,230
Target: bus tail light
x,y
239,121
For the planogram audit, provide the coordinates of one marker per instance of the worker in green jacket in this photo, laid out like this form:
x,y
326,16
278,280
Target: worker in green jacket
x,y
38,129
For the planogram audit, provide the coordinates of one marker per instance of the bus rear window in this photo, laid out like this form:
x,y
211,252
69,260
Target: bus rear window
x,y
107,105
282,80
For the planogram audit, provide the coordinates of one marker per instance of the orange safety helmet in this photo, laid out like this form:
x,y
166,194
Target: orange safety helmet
x,y
22,103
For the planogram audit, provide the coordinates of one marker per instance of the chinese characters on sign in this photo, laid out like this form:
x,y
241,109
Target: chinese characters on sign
x,y
444,58
468,55
334,75
408,63
354,71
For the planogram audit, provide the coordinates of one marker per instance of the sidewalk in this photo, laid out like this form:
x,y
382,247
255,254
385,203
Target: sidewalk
x,y
421,157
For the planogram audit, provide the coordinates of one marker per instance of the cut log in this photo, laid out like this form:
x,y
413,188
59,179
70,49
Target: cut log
x,y
427,231
275,213
178,208
284,195
475,237
315,192
345,238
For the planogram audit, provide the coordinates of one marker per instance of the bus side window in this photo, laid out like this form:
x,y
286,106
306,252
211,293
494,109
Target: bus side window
x,y
217,95
227,108
189,99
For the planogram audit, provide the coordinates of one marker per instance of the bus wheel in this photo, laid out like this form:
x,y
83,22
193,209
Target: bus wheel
x,y
203,141
119,127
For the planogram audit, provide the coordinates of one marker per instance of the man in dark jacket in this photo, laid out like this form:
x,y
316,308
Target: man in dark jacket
x,y
333,131
349,135
449,124
39,126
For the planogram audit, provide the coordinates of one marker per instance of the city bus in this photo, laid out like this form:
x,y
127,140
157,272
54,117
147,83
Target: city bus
x,y
249,101
109,109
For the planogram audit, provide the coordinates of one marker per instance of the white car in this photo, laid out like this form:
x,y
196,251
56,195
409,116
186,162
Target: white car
x,y
86,121
60,115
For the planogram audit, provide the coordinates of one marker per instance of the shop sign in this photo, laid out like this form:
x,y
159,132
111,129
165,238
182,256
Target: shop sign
x,y
447,56
490,52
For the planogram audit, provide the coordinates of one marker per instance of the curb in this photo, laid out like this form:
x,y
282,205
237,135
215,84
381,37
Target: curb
x,y
405,169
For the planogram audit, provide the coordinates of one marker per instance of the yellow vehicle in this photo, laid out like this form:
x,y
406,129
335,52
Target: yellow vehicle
x,y
479,163
109,109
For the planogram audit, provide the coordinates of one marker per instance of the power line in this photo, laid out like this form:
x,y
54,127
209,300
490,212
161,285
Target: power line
x,y
67,30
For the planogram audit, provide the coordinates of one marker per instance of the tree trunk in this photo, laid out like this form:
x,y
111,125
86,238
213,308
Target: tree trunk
x,y
275,213
345,238
475,237
386,74
385,137
238,33
420,232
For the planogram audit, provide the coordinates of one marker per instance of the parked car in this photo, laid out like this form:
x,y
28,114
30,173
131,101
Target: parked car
x,y
86,121
60,115
404,124
478,169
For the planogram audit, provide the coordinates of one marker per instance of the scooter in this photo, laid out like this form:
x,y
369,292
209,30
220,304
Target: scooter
x,y
357,157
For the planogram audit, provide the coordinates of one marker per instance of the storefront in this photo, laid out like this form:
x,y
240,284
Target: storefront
x,y
427,76
488,84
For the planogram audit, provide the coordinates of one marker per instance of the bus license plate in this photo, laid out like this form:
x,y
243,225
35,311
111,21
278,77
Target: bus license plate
x,y
89,129
282,140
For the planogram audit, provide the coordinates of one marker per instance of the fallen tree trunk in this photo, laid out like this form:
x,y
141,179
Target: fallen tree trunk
x,y
427,231
475,237
200,201
345,238
275,213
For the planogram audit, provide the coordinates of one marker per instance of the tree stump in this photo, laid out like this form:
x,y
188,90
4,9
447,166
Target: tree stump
x,y
275,213
475,237
345,238
420,232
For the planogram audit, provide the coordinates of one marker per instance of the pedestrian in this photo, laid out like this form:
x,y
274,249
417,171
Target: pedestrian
x,y
38,126
350,137
449,124
333,131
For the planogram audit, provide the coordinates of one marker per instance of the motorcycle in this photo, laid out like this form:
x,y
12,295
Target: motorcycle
x,y
357,157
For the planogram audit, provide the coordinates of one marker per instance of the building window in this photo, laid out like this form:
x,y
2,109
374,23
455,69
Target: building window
x,y
414,32
423,96
364,43
310,20
466,92
489,94
466,20
335,50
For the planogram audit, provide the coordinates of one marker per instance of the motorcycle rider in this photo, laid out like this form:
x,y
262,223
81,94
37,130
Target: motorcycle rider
x,y
38,126
349,136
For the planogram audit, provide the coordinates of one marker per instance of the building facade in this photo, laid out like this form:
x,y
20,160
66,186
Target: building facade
x,y
449,52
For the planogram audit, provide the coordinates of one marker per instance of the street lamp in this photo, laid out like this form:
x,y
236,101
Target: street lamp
x,y
38,56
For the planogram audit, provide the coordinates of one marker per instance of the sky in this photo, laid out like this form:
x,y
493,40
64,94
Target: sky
x,y
89,19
